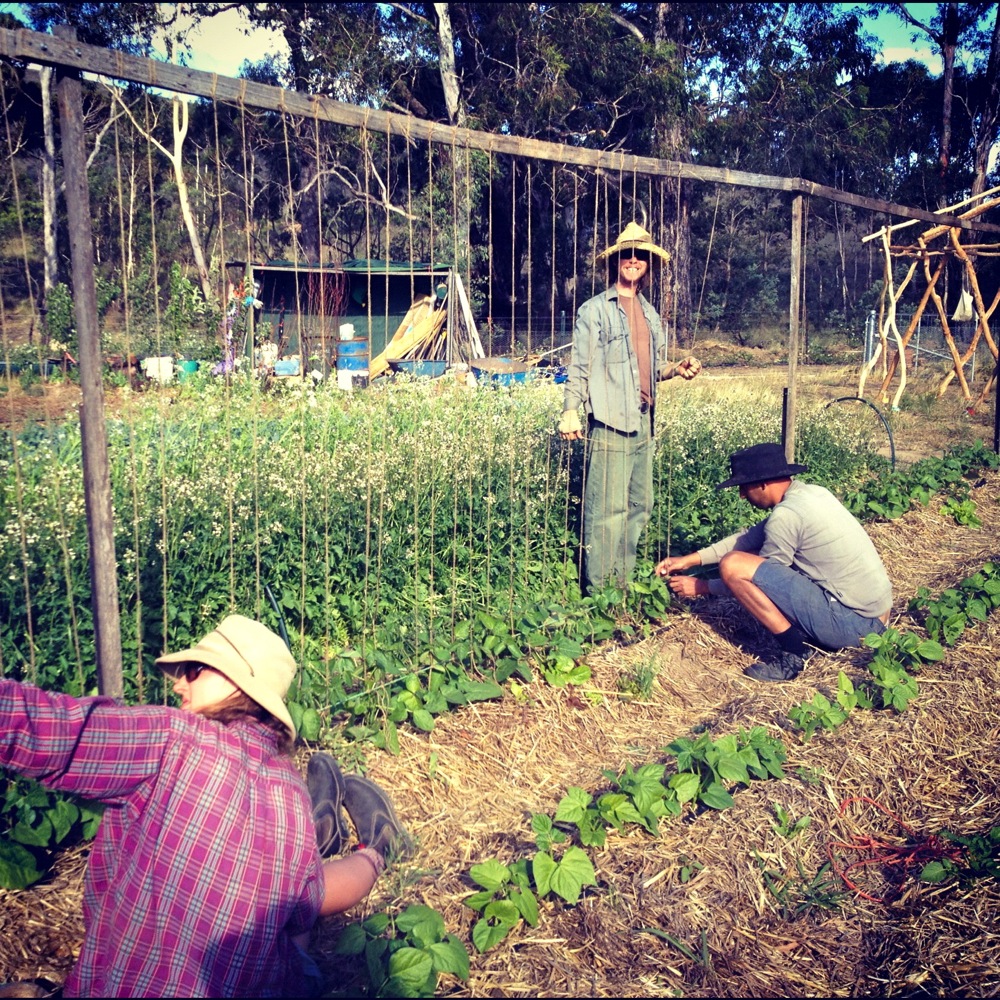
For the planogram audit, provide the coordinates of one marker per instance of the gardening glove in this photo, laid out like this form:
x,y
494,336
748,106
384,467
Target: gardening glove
x,y
570,428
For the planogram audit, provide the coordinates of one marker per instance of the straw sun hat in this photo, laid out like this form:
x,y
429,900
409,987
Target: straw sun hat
x,y
634,237
251,656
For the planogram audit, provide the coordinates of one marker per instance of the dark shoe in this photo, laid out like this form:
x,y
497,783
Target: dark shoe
x,y
374,818
326,789
781,667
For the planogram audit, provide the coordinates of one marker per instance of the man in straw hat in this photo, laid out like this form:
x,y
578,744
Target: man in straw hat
x,y
618,356
808,572
205,876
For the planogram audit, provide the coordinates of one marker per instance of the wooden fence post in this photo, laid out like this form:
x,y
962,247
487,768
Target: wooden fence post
x,y
794,303
96,474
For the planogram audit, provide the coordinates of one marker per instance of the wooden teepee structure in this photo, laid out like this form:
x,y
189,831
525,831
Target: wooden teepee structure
x,y
930,252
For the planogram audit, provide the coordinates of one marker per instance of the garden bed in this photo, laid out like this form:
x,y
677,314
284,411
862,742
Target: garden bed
x,y
466,791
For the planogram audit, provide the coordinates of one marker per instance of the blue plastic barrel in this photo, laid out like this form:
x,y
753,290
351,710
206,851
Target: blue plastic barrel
x,y
352,355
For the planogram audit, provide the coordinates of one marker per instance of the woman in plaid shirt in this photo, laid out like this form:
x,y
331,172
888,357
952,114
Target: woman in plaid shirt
x,y
205,876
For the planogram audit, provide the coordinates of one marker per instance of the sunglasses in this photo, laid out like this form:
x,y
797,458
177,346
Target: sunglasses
x,y
189,671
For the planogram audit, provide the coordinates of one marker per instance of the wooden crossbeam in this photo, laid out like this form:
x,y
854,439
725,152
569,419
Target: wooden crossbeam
x,y
32,46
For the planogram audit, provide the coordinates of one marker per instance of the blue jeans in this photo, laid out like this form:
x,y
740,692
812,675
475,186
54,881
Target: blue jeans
x,y
820,616
617,500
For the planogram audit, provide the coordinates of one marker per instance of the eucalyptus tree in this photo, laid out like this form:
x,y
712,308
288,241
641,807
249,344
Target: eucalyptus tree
x,y
955,29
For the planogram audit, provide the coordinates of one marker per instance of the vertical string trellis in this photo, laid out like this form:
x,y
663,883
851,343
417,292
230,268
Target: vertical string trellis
x,y
388,443
129,410
15,459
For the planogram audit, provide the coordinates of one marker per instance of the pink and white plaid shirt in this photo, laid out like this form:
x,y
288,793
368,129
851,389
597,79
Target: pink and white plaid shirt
x,y
205,864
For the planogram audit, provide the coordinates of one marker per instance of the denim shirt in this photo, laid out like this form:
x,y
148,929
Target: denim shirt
x,y
603,373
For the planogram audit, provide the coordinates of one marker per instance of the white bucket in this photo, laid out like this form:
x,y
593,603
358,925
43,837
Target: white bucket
x,y
347,331
344,380
159,369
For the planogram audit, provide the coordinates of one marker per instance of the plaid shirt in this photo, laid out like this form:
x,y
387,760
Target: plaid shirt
x,y
205,864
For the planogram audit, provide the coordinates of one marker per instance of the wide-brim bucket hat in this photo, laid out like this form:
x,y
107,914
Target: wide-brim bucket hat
x,y
251,656
760,463
634,237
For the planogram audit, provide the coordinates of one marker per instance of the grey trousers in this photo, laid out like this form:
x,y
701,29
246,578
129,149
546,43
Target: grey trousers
x,y
617,501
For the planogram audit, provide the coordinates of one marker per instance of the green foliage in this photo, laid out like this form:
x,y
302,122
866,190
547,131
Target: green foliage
x,y
546,832
956,608
420,543
891,495
980,858
688,869
645,795
705,766
799,893
639,797
961,512
637,681
507,899
565,877
890,684
189,320
510,893
406,955
821,712
60,322
702,957
785,825
809,775
576,808
34,823
60,317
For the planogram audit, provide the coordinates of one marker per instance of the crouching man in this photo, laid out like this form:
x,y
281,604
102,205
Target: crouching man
x,y
808,572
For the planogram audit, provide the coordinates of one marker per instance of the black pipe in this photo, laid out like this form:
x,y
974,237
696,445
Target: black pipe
x,y
878,412
281,617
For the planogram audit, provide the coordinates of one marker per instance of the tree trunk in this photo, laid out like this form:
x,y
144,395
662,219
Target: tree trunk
x,y
987,133
949,45
177,160
49,216
446,59
669,139
456,116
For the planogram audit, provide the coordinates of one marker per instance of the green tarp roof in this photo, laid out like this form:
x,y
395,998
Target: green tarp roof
x,y
356,265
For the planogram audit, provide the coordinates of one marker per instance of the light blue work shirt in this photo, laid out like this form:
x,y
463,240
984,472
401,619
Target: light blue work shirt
x,y
603,373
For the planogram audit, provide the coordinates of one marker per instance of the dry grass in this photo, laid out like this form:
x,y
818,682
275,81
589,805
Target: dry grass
x,y
467,791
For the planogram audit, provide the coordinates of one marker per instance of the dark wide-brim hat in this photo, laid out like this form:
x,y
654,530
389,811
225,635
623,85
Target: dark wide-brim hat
x,y
759,464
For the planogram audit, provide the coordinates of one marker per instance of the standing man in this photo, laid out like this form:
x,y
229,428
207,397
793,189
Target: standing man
x,y
808,572
619,354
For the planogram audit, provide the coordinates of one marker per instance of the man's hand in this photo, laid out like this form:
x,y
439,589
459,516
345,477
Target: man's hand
x,y
687,368
684,586
677,564
570,428
688,586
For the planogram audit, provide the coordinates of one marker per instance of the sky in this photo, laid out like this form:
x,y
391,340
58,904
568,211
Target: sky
x,y
219,44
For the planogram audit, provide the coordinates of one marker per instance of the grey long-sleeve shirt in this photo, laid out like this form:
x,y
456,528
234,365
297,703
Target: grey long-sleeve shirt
x,y
814,533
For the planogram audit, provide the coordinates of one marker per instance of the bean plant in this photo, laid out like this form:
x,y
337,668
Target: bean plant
x,y
408,531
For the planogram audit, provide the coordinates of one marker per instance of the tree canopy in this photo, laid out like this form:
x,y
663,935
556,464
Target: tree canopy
x,y
777,88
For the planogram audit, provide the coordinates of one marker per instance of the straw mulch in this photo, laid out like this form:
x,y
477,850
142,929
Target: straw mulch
x,y
467,791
